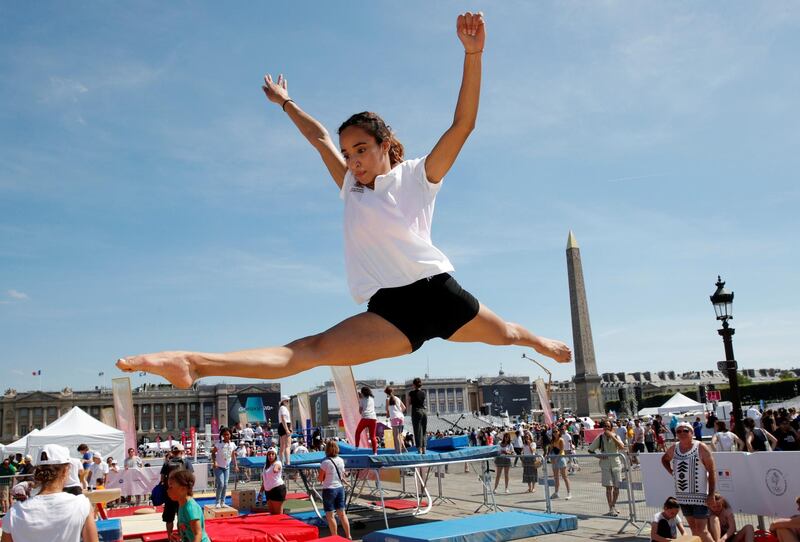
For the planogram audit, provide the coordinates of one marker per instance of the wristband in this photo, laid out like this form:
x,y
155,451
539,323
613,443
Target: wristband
x,y
286,102
474,52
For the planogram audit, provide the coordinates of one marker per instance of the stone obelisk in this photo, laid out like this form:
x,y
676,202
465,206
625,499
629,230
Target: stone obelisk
x,y
587,381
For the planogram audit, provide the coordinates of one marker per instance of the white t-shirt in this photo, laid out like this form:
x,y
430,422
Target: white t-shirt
x,y
566,440
725,441
529,449
673,523
75,467
55,517
368,408
247,433
270,478
97,470
387,231
224,454
395,412
284,415
332,477
300,449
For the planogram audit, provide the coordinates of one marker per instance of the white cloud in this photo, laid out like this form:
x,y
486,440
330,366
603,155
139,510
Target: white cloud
x,y
16,294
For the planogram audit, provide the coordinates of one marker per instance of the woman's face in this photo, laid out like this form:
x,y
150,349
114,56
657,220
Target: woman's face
x,y
716,505
365,158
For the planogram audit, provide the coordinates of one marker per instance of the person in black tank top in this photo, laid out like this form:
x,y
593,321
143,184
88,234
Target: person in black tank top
x,y
419,415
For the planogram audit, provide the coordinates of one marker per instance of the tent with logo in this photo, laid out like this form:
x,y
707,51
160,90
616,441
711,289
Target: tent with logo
x,y
18,446
77,427
680,403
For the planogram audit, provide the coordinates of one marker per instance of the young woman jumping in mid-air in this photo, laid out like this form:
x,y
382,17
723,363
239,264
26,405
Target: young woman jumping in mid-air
x,y
390,259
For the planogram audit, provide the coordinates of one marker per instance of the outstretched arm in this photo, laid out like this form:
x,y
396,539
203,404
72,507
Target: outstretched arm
x,y
471,32
316,134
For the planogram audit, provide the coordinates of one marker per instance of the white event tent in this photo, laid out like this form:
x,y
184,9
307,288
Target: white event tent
x,y
18,446
680,403
76,427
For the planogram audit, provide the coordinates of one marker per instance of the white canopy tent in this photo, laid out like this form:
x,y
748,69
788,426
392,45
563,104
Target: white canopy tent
x,y
680,403
18,446
76,427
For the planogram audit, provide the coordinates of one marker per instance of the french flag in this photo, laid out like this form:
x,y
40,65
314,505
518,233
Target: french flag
x,y
37,373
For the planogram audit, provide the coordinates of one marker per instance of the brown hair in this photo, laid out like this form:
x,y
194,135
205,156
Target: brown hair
x,y
375,126
331,448
183,478
47,475
671,503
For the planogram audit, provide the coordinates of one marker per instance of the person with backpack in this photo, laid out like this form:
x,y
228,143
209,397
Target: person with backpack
x,y
175,462
331,476
758,439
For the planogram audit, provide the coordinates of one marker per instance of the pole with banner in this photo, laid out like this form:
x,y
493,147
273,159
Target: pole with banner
x,y
123,410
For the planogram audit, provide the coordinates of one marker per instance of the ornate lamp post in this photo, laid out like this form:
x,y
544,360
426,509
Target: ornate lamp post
x,y
723,306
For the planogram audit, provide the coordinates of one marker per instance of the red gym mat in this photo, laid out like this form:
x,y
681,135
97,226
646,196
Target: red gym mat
x,y
299,496
251,528
399,504
331,539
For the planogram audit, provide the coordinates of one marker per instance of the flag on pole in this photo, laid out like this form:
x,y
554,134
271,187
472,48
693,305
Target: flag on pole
x,y
37,373
100,374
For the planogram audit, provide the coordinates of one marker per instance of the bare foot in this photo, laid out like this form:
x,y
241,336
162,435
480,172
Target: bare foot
x,y
177,367
556,350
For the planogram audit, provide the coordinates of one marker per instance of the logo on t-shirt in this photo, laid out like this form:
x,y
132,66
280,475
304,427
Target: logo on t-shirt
x,y
357,188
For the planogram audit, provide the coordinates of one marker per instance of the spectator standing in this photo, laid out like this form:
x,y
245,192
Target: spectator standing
x,y
724,440
52,515
698,428
395,411
97,471
529,458
691,464
331,476
786,437
224,455
558,459
7,472
503,461
649,438
369,419
758,439
284,430
419,414
174,462
518,444
609,442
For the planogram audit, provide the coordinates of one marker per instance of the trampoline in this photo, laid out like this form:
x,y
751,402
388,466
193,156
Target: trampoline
x,y
362,465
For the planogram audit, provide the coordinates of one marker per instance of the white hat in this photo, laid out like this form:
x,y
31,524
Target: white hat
x,y
285,398
272,450
97,455
687,425
177,447
55,454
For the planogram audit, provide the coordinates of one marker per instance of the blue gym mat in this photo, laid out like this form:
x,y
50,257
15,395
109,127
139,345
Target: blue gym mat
x,y
497,527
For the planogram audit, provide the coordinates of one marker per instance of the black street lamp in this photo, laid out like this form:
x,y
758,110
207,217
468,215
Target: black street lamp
x,y
723,306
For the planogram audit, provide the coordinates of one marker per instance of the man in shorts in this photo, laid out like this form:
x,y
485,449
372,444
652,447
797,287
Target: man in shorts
x,y
691,464
610,466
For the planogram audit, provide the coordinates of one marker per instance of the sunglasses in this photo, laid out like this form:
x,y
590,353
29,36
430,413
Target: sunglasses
x,y
683,431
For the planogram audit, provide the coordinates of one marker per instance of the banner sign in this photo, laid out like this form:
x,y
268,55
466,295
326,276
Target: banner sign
x,y
141,481
544,400
345,385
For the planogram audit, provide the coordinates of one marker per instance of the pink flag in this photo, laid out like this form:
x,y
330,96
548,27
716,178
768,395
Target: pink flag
x,y
346,395
544,400
123,410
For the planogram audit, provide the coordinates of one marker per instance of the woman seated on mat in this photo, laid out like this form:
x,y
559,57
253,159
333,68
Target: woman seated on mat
x,y
722,523
787,529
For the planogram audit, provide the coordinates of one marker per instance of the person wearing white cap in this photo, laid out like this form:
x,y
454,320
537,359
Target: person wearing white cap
x,y
97,471
284,430
691,464
52,514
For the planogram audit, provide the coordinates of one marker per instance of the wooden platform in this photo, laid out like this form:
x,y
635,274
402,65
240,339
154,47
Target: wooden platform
x,y
211,512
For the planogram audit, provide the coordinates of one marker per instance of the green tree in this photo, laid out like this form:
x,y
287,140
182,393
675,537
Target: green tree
x,y
743,379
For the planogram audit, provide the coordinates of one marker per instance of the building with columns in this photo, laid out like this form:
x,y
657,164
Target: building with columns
x,y
160,409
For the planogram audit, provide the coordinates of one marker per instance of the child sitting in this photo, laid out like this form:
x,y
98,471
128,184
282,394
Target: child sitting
x,y
722,524
667,523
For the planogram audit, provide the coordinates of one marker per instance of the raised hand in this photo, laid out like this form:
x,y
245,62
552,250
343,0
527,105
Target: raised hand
x,y
276,91
471,31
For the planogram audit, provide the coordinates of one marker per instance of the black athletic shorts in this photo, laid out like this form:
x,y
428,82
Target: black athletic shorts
x,y
277,493
436,306
281,430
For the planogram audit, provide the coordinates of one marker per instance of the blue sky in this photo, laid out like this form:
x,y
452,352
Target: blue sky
x,y
151,199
